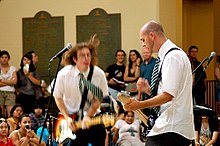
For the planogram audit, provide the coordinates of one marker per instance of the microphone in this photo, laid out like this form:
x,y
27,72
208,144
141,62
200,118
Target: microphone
x,y
210,59
68,46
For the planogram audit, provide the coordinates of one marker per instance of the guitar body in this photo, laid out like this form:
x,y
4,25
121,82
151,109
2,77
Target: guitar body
x,y
63,132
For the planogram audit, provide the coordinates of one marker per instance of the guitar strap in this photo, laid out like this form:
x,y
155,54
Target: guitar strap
x,y
85,92
160,73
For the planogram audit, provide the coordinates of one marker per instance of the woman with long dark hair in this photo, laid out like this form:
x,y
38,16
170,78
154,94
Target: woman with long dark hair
x,y
132,71
28,80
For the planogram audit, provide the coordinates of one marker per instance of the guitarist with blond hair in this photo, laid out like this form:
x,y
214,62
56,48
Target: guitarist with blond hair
x,y
71,97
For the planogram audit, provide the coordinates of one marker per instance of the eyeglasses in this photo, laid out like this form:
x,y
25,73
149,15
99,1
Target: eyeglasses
x,y
3,120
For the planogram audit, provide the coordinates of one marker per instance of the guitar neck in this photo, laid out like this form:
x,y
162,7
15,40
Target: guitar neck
x,y
92,122
126,99
107,120
141,116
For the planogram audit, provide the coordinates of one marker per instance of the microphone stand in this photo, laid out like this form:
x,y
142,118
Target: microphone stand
x,y
47,115
196,82
205,59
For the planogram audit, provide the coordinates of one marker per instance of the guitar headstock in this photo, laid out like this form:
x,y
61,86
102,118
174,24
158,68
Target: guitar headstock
x,y
124,97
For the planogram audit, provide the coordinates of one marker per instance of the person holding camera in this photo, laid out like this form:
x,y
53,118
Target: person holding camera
x,y
24,136
28,80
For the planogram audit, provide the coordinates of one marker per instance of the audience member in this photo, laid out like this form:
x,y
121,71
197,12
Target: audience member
x,y
37,117
217,76
34,57
207,127
39,90
115,73
24,136
132,71
4,139
127,131
146,68
8,78
199,85
28,82
15,113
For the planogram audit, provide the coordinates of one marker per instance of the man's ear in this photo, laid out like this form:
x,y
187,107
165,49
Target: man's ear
x,y
152,35
74,59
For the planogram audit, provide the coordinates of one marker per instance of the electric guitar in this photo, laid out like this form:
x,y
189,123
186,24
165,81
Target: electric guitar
x,y
62,130
147,120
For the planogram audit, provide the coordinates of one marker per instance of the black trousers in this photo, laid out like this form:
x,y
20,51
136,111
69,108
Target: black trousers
x,y
168,139
95,135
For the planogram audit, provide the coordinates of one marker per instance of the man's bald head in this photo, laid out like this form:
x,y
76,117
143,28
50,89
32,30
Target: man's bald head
x,y
152,26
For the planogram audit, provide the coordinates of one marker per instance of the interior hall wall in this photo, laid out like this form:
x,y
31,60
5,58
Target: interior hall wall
x,y
198,22
133,15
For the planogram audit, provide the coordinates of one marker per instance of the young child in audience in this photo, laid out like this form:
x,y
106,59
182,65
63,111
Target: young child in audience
x,y
24,136
37,117
207,128
127,131
4,139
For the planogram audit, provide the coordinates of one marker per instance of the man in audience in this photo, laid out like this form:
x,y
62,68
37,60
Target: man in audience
x,y
115,74
199,85
146,68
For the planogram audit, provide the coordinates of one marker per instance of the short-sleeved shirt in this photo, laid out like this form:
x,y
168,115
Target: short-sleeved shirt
x,y
8,76
117,72
177,114
36,122
128,131
147,69
67,86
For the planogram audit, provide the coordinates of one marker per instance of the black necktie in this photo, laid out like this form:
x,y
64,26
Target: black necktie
x,y
96,91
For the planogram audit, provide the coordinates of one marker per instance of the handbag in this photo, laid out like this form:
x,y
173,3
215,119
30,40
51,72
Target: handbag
x,y
131,87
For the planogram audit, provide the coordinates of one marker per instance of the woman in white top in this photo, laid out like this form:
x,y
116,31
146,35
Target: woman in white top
x,y
8,78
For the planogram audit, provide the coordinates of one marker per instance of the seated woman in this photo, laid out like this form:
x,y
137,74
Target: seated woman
x,y
24,136
132,72
127,131
4,139
207,128
15,113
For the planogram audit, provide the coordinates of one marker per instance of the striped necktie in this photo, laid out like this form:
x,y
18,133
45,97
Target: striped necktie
x,y
154,79
154,85
80,83
96,91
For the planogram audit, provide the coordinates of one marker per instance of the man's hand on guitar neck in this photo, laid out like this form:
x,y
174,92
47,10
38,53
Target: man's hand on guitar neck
x,y
132,105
